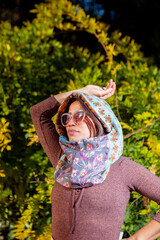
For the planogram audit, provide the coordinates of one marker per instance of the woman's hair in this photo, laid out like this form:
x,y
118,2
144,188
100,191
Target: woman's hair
x,y
94,125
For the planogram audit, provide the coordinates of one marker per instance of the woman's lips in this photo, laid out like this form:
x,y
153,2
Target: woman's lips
x,y
72,132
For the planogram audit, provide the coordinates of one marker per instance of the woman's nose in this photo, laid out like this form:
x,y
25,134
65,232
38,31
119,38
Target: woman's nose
x,y
71,122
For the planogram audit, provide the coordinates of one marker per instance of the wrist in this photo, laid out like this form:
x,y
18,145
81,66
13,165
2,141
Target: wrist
x,y
84,89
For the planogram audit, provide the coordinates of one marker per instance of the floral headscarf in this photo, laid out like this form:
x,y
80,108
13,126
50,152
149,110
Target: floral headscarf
x,y
87,162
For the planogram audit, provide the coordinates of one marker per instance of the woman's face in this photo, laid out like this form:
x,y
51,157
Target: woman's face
x,y
76,132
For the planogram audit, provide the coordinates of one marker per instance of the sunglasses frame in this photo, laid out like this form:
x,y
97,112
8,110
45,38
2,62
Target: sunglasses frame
x,y
72,117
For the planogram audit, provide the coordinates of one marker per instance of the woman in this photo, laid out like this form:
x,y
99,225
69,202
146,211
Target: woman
x,y
93,181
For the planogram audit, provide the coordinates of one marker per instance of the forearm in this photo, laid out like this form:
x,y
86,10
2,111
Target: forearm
x,y
61,97
101,92
150,231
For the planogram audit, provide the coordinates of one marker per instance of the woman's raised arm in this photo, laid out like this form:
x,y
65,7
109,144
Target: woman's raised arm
x,y
101,92
43,112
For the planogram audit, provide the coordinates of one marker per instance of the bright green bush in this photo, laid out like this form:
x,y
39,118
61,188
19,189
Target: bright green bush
x,y
35,65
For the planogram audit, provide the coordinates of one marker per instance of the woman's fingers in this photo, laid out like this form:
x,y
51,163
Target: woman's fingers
x,y
102,92
109,92
109,89
109,84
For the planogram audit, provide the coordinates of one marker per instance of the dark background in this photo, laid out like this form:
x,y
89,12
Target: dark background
x,y
137,18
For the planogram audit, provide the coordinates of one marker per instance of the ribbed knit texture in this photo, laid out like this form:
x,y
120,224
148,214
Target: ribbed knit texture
x,y
98,211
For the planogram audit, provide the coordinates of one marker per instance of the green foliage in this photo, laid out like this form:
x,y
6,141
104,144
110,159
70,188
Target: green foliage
x,y
5,137
36,211
35,65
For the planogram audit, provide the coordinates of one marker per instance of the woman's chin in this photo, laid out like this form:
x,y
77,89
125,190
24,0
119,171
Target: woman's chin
x,y
74,138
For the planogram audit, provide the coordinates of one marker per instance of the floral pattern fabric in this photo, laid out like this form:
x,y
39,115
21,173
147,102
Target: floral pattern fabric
x,y
84,162
87,162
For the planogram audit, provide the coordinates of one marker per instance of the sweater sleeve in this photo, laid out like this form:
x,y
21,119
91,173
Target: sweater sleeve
x,y
41,114
139,179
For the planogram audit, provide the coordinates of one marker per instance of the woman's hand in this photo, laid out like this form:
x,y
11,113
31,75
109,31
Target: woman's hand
x,y
150,231
101,92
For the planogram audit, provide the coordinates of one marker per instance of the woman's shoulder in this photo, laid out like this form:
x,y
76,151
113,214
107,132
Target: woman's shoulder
x,y
126,164
122,165
123,160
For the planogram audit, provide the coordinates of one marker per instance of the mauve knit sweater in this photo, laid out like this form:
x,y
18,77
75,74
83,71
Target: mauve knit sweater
x,y
97,212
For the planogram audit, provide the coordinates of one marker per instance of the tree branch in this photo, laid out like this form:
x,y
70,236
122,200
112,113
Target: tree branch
x,y
135,200
130,134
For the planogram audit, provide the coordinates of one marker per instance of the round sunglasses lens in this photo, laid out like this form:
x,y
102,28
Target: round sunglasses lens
x,y
65,119
78,116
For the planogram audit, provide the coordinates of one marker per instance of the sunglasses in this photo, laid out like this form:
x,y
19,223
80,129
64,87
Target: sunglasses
x,y
77,117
